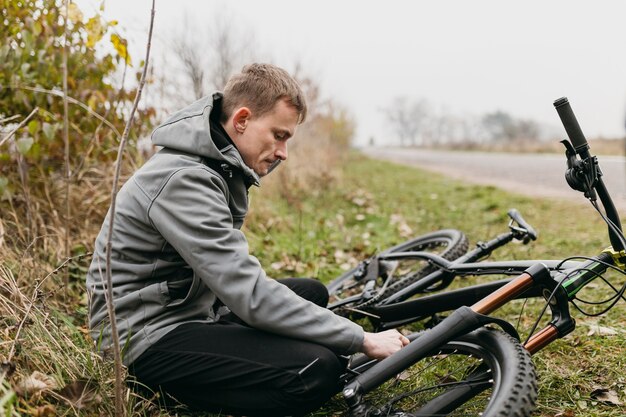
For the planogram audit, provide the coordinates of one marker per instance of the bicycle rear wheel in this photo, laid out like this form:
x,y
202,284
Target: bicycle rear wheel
x,y
485,373
347,290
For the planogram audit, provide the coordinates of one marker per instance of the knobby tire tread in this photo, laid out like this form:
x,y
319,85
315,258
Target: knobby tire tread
x,y
517,386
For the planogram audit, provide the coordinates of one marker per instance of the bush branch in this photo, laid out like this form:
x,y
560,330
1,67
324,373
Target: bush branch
x,y
66,144
119,405
18,127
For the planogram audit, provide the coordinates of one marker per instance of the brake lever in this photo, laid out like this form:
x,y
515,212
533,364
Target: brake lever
x,y
525,231
581,174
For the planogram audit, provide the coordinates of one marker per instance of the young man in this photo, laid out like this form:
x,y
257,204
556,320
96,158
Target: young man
x,y
197,316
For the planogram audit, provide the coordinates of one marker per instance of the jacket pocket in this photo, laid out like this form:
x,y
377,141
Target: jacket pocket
x,y
181,291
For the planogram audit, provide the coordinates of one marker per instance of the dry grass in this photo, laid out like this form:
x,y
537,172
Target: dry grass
x,y
600,146
313,166
46,351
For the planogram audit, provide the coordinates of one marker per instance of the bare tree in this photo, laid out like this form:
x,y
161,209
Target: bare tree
x,y
528,129
407,118
502,126
188,52
208,57
230,51
499,125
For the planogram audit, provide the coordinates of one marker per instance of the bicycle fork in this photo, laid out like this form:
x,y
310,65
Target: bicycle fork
x,y
537,276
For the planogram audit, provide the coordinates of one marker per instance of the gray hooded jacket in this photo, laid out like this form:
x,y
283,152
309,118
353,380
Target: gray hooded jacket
x,y
177,247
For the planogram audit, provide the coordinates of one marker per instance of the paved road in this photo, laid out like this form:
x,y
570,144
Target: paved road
x,y
530,174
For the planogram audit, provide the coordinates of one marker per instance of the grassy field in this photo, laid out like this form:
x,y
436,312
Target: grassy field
x,y
370,206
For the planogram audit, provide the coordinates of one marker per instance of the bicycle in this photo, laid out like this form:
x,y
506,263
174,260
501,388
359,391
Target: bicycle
x,y
465,366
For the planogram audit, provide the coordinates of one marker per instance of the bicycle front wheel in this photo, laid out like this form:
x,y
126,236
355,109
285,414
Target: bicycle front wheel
x,y
346,292
485,373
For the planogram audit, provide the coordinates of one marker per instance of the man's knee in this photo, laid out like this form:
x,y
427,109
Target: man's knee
x,y
321,374
319,293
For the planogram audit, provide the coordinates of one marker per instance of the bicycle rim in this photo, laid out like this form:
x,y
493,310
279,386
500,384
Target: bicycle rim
x,y
486,373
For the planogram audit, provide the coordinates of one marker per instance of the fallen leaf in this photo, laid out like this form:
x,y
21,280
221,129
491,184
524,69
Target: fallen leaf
x,y
601,331
606,396
277,266
403,376
566,413
34,384
81,393
395,218
7,368
47,410
404,230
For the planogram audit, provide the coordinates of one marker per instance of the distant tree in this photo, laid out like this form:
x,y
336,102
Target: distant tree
x,y
207,55
499,126
407,119
527,129
191,58
231,50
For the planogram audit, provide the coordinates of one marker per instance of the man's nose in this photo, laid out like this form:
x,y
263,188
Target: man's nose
x,y
281,151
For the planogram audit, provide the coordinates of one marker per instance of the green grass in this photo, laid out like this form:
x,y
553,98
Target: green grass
x,y
320,233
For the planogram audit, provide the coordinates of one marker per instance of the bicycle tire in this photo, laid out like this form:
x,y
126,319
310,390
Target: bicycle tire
x,y
447,243
491,375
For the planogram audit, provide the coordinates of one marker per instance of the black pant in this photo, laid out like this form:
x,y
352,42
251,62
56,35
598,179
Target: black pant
x,y
232,368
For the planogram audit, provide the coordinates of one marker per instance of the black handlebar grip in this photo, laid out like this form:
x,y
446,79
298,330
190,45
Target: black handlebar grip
x,y
571,125
517,216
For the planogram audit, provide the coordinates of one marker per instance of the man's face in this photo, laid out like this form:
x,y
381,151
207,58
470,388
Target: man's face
x,y
264,139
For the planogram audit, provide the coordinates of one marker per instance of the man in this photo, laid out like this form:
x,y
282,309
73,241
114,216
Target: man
x,y
196,314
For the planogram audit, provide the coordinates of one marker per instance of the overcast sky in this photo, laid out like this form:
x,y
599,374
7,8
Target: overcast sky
x,y
469,57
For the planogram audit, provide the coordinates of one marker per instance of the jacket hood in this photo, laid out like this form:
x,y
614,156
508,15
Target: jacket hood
x,y
188,130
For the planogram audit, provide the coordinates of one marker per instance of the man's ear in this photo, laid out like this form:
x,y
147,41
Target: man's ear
x,y
241,116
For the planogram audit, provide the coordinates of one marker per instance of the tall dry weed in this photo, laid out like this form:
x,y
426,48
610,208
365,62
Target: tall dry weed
x,y
42,317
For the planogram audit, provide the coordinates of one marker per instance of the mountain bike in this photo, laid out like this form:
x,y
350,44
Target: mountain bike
x,y
470,363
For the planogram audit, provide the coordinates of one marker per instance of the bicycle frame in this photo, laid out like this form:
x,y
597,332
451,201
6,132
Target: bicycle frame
x,y
389,316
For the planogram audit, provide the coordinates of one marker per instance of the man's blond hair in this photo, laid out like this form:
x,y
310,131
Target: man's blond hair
x,y
259,87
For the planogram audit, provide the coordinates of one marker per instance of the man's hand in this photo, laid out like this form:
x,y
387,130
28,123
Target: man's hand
x,y
380,345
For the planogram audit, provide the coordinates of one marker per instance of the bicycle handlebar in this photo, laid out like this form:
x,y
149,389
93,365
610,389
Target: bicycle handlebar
x,y
578,140
517,217
570,123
